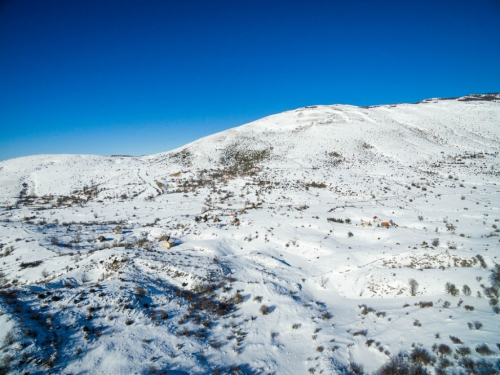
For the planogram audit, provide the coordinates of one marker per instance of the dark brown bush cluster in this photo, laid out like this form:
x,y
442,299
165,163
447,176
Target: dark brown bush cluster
x,y
363,332
326,315
33,264
365,310
203,299
422,356
443,350
455,340
401,364
423,304
484,349
451,289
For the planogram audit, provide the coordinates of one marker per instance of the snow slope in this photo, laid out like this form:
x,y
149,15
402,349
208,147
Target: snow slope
x,y
399,135
280,263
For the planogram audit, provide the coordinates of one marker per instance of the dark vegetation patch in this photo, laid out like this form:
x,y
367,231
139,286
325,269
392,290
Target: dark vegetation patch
x,y
237,159
33,264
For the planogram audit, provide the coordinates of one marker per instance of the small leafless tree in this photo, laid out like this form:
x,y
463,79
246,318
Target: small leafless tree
x,y
466,290
413,286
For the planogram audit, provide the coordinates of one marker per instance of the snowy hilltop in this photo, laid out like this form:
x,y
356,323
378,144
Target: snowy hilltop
x,y
327,239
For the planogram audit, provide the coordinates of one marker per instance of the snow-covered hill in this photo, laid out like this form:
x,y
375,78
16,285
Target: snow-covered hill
x,y
296,238
375,138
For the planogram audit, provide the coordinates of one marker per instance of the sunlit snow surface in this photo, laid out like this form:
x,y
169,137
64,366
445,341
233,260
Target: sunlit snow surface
x,y
248,210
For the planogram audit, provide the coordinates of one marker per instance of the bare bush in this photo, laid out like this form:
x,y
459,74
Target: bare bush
x,y
424,304
451,289
326,315
140,291
421,356
466,290
455,340
463,351
444,349
413,286
483,349
265,310
481,261
363,332
400,365
33,264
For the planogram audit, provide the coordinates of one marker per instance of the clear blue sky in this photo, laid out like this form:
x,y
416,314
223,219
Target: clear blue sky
x,y
141,77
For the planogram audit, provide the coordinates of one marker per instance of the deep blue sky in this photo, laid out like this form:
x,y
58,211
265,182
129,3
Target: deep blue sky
x,y
140,77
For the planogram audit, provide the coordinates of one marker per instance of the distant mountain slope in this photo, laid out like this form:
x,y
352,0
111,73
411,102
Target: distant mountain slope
x,y
309,137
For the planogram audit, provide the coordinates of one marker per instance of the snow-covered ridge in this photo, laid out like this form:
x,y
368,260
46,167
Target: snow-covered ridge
x,y
404,134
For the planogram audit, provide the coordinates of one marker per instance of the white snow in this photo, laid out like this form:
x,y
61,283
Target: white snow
x,y
256,214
